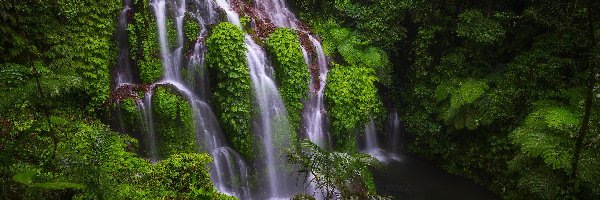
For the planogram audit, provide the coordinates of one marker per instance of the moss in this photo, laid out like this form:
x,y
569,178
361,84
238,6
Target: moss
x,y
291,71
191,29
173,122
150,63
352,100
130,117
226,57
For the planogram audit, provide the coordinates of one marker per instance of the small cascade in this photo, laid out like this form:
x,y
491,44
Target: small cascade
x,y
197,79
123,71
390,150
277,12
178,53
395,145
150,140
315,114
371,143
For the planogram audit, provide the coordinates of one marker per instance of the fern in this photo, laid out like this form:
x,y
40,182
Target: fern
x,y
461,111
546,133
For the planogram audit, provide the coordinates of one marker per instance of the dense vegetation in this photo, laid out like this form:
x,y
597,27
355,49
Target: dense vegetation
x,y
227,56
54,82
504,93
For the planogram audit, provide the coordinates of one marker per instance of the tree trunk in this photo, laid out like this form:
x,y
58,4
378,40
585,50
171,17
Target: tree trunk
x,y
589,100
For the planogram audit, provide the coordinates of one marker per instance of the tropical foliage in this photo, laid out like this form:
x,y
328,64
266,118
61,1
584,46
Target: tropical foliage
x,y
290,70
226,55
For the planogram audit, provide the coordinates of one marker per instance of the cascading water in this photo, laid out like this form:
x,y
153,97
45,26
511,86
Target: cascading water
x,y
277,12
272,126
123,71
373,146
148,122
396,147
229,171
371,143
314,114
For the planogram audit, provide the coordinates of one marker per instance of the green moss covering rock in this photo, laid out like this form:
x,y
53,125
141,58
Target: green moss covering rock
x,y
173,123
352,99
290,70
149,63
226,57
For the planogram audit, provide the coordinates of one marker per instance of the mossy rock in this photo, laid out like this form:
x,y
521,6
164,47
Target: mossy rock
x,y
226,58
173,123
291,71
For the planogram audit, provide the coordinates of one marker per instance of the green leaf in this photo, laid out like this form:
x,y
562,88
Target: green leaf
x,y
25,177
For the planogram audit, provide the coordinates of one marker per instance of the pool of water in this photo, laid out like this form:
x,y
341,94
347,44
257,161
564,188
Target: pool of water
x,y
410,177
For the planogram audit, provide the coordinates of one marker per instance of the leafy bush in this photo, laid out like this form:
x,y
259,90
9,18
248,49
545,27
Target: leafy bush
x,y
226,57
546,147
185,176
354,50
150,63
92,162
352,100
290,70
173,122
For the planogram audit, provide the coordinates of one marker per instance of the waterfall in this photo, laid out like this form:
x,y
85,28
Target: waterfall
x,y
396,147
371,143
229,172
273,122
272,125
148,122
314,114
277,12
314,117
123,71
392,149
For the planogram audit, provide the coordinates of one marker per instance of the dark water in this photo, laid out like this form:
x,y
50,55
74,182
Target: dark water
x,y
415,178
